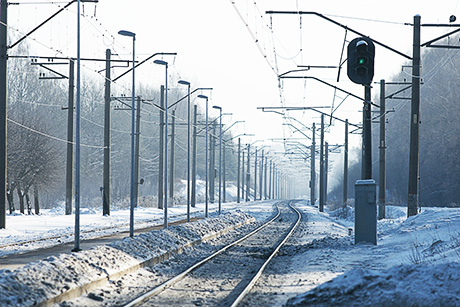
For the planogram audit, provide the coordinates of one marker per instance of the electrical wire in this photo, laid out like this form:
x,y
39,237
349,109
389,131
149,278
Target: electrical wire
x,y
52,137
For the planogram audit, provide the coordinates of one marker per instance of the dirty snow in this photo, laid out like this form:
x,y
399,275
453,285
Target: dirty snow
x,y
416,260
41,281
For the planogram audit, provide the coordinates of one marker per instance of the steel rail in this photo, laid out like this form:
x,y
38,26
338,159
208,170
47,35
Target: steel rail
x,y
146,296
262,268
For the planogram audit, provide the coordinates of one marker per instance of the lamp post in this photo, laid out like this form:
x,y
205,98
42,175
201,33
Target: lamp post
x,y
220,157
188,146
206,189
133,114
77,126
165,176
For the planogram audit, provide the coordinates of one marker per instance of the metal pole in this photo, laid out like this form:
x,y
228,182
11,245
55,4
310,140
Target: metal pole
x,y
207,167
220,162
261,174
345,167
133,163
321,167
313,169
136,151
171,151
414,151
193,200
265,177
255,175
188,154
326,170
212,167
161,149
270,182
77,149
165,184
238,172
243,177
106,172
69,163
366,170
248,176
224,188
382,149
3,107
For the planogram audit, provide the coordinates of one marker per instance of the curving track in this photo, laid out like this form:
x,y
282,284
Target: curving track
x,y
225,277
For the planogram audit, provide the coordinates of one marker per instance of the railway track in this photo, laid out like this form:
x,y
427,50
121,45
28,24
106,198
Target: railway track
x,y
227,276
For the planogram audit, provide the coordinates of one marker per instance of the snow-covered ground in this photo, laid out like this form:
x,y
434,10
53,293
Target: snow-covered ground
x,y
415,263
60,227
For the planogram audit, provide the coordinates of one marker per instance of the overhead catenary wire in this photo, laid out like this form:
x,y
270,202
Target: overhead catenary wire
x,y
52,137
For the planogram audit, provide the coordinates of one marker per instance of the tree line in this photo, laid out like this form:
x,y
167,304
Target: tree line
x,y
439,131
36,140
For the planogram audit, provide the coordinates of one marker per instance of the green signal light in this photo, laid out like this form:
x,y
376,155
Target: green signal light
x,y
361,61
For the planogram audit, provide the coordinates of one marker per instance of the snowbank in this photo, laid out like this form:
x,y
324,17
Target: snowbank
x,y
415,263
64,276
405,285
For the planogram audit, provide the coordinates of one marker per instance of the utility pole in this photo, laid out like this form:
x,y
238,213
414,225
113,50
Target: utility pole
x,y
220,162
265,177
313,168
70,140
261,175
255,175
193,193
238,173
171,170
242,176
212,167
326,171
321,167
106,171
70,125
270,181
3,107
224,191
248,175
412,203
366,168
161,150
345,167
382,149
136,150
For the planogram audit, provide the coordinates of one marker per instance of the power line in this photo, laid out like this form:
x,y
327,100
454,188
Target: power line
x,y
50,136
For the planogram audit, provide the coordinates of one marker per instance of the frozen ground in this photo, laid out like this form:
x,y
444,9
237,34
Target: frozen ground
x,y
415,262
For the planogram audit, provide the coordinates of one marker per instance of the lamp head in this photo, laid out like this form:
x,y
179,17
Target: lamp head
x,y
183,82
203,96
127,33
160,62
217,107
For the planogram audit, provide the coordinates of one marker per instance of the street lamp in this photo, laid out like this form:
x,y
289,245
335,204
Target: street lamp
x,y
165,176
206,188
188,146
133,199
220,157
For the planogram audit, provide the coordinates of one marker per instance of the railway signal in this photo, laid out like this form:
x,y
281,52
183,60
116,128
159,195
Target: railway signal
x,y
360,67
